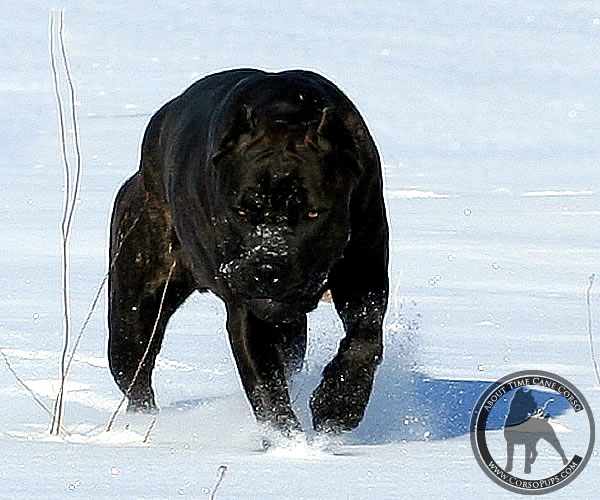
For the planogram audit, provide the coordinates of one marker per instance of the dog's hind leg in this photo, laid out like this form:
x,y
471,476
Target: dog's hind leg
x,y
143,249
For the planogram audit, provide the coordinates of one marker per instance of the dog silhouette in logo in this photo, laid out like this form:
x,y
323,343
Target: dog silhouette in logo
x,y
526,424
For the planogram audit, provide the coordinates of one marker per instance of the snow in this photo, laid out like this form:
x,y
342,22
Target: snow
x,y
584,192
487,115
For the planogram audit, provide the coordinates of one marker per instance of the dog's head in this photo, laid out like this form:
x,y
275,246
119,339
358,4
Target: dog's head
x,y
282,208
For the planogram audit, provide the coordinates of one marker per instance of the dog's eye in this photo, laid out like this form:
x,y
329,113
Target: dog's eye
x,y
313,214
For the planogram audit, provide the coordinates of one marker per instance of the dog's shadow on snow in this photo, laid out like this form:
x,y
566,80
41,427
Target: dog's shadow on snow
x,y
408,405
185,405
413,406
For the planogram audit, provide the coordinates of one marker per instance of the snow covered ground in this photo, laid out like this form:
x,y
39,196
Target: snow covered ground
x,y
487,115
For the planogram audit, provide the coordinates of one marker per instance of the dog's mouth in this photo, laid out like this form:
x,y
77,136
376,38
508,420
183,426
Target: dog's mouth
x,y
268,289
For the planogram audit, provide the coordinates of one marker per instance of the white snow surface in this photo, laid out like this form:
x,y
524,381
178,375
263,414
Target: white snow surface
x,y
487,115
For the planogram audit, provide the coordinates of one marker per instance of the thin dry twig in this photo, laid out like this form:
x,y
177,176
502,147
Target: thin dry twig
x,y
66,207
96,298
31,392
22,383
590,330
73,105
220,475
72,188
147,351
84,325
150,428
71,211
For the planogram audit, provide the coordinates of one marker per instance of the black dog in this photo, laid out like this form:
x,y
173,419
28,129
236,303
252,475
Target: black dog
x,y
266,189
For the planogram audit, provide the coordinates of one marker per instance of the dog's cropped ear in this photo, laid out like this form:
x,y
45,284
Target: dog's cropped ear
x,y
330,134
239,132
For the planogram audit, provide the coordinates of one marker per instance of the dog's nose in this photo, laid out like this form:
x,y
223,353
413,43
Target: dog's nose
x,y
269,273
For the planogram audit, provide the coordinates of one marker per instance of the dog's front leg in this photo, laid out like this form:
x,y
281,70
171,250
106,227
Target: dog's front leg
x,y
261,355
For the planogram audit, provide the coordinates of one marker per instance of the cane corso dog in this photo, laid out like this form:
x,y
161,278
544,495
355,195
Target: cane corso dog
x,y
265,189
